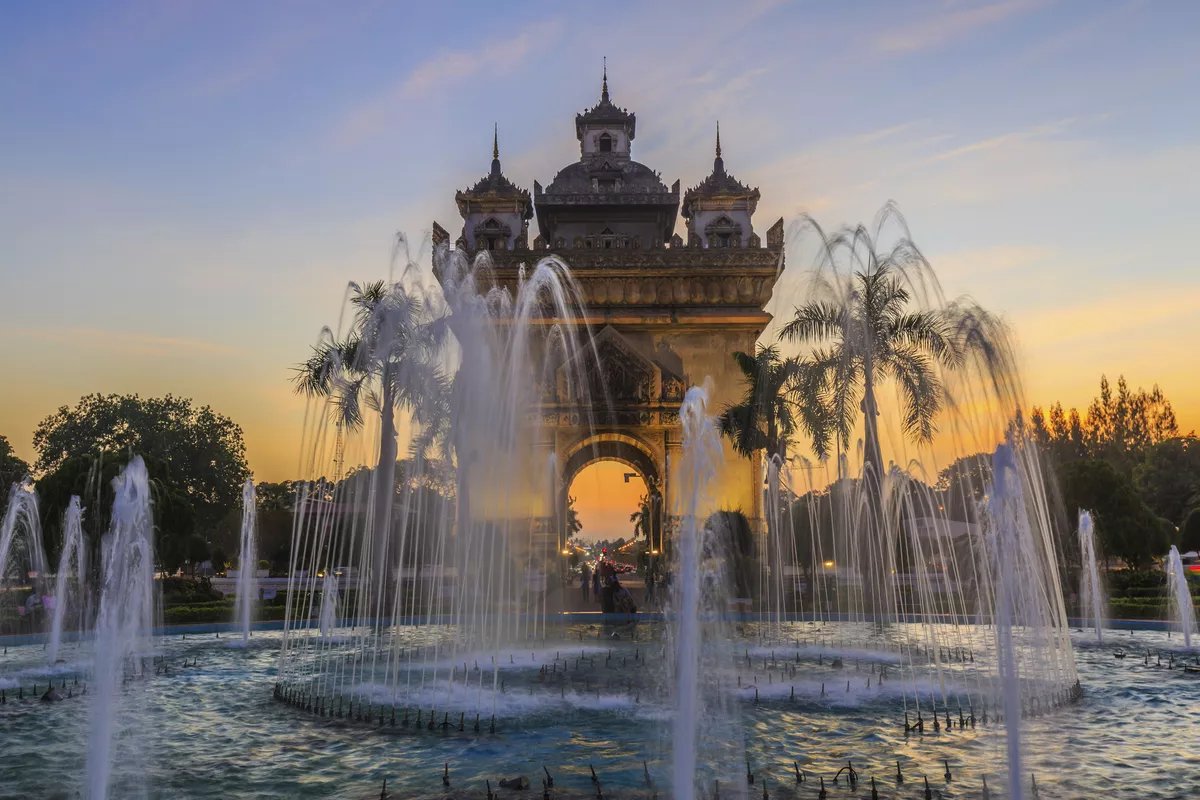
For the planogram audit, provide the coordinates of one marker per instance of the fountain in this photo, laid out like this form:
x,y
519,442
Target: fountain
x,y
442,610
1091,589
419,591
1182,609
72,562
247,582
705,722
329,605
22,555
124,623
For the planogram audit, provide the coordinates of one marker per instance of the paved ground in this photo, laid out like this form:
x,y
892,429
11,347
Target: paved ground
x,y
571,598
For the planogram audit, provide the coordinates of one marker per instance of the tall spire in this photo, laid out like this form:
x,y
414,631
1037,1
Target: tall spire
x,y
718,162
495,149
604,85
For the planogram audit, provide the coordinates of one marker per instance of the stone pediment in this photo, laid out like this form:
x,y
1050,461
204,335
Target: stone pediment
x,y
611,370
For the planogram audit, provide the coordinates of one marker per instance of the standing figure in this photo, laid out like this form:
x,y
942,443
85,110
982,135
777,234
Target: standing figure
x,y
586,582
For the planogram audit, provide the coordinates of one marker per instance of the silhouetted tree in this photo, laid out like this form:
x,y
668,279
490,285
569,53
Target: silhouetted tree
x,y
199,452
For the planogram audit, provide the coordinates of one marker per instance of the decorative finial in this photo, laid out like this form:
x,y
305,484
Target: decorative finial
x,y
718,138
495,149
604,85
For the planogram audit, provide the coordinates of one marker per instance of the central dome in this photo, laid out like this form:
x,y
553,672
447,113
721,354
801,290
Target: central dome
x,y
600,176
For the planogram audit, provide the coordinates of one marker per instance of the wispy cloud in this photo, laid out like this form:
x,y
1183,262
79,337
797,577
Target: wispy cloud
x,y
1043,131
944,26
444,70
123,341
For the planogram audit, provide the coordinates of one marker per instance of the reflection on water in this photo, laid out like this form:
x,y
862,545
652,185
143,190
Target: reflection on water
x,y
217,732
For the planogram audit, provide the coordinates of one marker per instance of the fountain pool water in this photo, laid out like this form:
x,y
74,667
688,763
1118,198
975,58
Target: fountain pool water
x,y
217,736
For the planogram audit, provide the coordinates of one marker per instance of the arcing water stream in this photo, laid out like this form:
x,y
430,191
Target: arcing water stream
x,y
1091,586
72,567
247,583
123,626
1183,612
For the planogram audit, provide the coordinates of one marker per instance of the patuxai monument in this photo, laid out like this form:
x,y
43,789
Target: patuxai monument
x,y
666,311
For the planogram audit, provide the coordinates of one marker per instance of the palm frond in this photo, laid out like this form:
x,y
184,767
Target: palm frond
x,y
817,321
920,388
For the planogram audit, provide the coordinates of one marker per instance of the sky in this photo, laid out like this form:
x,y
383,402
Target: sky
x,y
187,187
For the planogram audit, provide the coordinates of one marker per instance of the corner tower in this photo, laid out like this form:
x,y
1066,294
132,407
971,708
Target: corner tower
x,y
495,211
718,211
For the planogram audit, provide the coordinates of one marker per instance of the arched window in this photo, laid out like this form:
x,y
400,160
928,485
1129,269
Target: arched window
x,y
723,232
605,143
560,243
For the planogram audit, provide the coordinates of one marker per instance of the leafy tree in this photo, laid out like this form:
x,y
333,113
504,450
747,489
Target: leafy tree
x,y
1168,478
863,334
90,476
1119,427
962,486
274,496
388,362
199,451
12,468
1127,528
1189,534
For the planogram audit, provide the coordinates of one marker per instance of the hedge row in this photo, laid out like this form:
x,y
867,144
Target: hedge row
x,y
1139,608
215,612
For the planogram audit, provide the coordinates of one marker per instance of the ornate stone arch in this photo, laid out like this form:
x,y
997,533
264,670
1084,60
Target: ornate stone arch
x,y
619,447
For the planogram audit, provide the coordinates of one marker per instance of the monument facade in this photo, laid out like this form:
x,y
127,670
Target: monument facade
x,y
666,312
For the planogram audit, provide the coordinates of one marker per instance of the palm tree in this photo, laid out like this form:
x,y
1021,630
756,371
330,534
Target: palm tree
x,y
387,362
767,416
642,519
863,334
574,525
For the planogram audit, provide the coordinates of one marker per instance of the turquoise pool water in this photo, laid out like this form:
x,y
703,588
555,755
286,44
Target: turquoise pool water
x,y
202,723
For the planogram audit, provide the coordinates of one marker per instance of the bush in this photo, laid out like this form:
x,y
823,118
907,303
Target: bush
x,y
181,592
1139,608
216,612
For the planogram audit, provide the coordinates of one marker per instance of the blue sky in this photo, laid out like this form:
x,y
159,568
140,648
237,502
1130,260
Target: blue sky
x,y
186,187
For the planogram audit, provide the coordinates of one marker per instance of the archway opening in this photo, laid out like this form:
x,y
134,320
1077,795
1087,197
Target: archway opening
x,y
606,494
